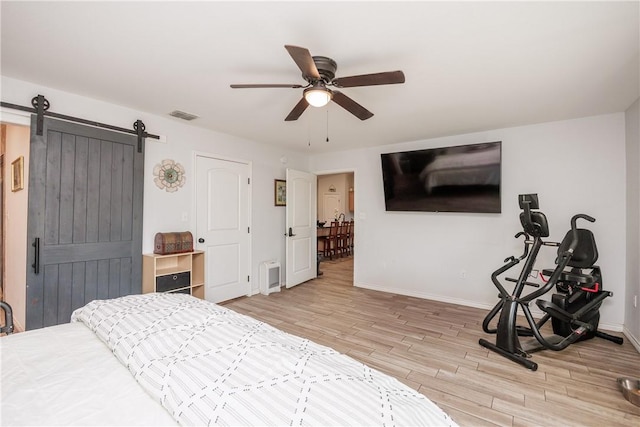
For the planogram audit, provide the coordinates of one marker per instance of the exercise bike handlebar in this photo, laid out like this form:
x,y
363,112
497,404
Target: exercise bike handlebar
x,y
526,244
580,216
510,262
526,247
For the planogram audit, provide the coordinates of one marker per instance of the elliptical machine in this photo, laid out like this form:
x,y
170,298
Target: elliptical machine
x,y
574,310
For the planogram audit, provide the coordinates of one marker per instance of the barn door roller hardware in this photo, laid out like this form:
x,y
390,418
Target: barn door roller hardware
x,y
40,107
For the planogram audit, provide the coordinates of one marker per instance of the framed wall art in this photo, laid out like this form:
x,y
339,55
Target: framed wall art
x,y
280,191
17,174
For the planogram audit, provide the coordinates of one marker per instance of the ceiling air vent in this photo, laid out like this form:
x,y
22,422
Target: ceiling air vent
x,y
182,115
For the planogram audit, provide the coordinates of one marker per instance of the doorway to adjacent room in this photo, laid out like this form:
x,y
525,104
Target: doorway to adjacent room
x,y
336,201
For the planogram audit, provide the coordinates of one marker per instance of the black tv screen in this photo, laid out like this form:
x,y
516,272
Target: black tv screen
x,y
464,178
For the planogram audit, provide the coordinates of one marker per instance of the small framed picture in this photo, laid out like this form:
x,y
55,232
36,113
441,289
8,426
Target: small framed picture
x,y
280,192
17,174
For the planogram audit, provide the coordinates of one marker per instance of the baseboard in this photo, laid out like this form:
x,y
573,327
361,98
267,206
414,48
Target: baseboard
x,y
535,312
423,295
631,338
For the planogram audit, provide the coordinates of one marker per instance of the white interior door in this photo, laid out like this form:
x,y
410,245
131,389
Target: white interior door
x,y
301,213
332,206
222,226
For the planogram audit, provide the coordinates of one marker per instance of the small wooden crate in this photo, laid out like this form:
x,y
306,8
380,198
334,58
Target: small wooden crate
x,y
173,243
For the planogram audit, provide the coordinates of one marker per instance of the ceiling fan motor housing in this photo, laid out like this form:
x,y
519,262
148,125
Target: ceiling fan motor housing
x,y
326,68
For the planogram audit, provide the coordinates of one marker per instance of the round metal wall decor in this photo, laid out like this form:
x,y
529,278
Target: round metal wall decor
x,y
169,175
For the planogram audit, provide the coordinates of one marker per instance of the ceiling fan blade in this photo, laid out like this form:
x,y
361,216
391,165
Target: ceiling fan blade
x,y
386,78
253,86
297,110
351,106
304,61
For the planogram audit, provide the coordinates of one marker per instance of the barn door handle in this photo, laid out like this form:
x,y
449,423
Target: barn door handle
x,y
36,255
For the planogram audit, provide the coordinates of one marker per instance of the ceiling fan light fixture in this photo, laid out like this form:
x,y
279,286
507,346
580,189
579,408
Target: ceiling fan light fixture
x,y
317,96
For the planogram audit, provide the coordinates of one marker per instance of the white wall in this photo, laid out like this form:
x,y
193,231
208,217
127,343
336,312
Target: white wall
x,y
575,166
632,313
164,211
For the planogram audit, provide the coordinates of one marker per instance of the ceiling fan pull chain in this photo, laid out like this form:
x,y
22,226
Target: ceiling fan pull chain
x,y
327,125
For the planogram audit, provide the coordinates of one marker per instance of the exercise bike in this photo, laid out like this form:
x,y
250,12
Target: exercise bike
x,y
573,310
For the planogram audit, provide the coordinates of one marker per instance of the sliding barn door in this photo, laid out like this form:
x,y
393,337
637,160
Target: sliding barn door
x,y
85,219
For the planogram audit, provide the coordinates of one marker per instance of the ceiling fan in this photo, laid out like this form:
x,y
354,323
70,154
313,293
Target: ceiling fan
x,y
319,72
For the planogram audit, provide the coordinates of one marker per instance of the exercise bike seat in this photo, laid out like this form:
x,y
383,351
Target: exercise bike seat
x,y
584,256
573,276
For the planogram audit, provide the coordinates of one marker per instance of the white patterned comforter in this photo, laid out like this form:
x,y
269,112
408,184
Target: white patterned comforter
x,y
209,365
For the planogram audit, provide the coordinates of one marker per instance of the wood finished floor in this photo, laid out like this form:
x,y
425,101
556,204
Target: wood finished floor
x,y
433,347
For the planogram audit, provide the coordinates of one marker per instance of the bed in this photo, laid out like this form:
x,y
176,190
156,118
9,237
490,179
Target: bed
x,y
466,168
172,359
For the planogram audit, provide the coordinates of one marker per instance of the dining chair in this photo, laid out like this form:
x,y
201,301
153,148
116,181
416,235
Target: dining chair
x,y
350,237
331,241
345,238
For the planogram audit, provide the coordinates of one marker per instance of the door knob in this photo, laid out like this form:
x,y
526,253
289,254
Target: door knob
x,y
201,240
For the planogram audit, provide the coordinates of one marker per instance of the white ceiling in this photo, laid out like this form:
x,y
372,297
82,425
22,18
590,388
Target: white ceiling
x,y
469,66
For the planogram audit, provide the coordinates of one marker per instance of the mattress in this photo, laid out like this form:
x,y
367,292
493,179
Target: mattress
x,y
65,375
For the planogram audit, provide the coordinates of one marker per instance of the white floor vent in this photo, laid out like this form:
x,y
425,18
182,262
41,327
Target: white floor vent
x,y
269,277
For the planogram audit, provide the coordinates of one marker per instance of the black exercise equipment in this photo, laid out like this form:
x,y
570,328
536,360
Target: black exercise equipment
x,y
8,318
573,310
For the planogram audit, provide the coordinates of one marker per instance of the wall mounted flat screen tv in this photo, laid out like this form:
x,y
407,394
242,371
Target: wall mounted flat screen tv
x,y
464,178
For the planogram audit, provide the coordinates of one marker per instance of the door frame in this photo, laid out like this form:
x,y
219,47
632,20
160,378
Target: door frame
x,y
322,172
194,209
15,292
